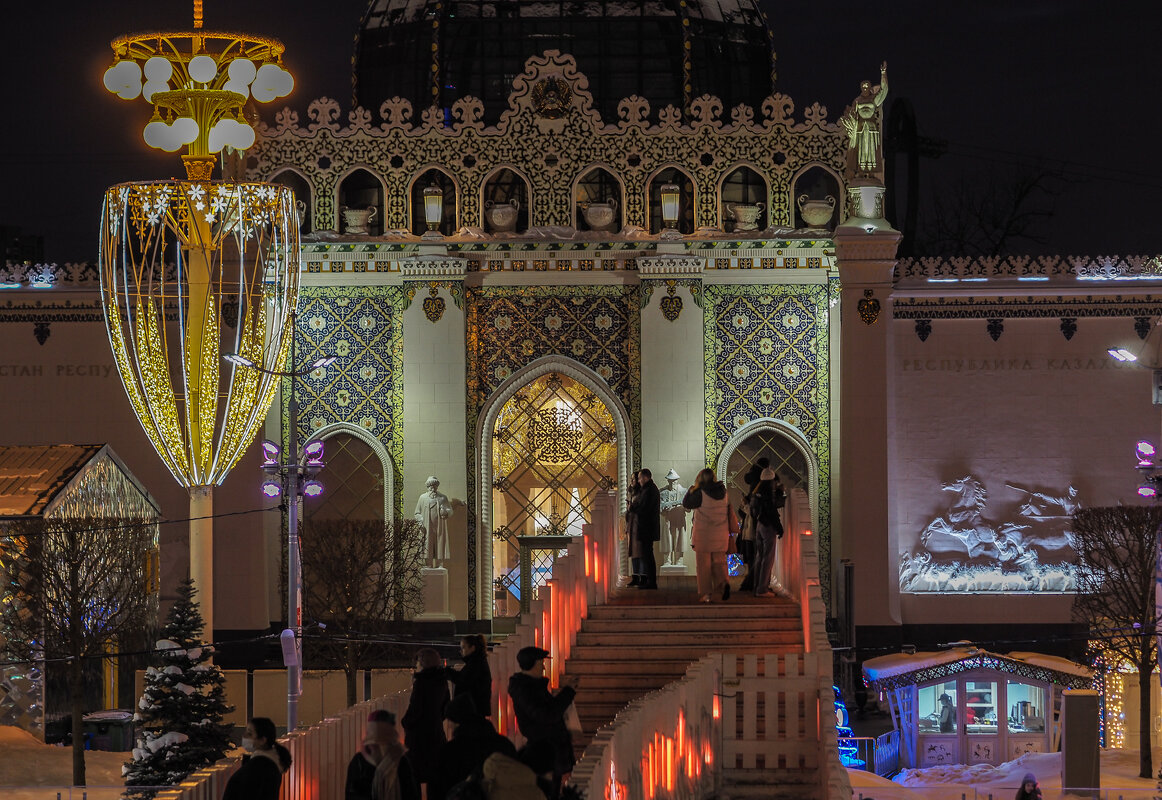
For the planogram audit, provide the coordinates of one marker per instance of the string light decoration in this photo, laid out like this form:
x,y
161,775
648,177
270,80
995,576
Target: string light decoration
x,y
192,269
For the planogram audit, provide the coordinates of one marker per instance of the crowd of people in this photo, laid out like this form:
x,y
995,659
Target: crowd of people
x,y
753,530
450,749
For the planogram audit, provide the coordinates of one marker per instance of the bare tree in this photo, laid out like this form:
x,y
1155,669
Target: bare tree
x,y
1118,549
358,577
79,588
990,214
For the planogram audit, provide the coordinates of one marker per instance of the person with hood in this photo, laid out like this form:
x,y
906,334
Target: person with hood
x,y
260,776
765,501
1029,789
748,530
475,677
423,722
540,715
379,770
646,508
635,550
714,522
471,740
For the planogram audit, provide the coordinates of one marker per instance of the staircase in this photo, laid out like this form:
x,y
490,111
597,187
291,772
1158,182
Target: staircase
x,y
643,640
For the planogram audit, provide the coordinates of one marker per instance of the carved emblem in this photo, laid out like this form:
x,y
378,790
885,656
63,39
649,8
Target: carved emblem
x,y
923,329
433,305
1068,327
868,307
551,97
1142,327
671,304
996,327
41,332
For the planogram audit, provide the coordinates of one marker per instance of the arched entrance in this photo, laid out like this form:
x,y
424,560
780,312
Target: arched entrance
x,y
787,448
553,440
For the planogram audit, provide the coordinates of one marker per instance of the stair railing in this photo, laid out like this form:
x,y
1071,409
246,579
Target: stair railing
x,y
582,578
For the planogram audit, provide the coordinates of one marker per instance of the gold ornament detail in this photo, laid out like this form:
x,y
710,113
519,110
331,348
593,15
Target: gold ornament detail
x,y
551,97
868,307
433,305
671,304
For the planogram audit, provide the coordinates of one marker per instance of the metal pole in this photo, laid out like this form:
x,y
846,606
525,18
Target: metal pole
x,y
294,578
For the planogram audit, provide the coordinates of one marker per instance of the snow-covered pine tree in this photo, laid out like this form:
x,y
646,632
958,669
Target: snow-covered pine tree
x,y
179,715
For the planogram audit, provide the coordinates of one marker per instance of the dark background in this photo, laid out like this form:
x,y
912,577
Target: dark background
x,y
1066,88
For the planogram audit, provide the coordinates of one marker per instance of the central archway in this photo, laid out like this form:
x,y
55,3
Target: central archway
x,y
552,437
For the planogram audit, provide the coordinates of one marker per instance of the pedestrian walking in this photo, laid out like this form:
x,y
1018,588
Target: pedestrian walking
x,y
260,776
540,715
423,722
475,677
714,521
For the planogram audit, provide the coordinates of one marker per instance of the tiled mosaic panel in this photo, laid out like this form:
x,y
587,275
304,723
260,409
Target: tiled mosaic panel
x,y
767,355
363,327
511,326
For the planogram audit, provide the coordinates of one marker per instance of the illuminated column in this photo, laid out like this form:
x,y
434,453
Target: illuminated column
x,y
866,258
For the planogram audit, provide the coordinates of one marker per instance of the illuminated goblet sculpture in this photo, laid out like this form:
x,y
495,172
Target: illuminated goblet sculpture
x,y
192,269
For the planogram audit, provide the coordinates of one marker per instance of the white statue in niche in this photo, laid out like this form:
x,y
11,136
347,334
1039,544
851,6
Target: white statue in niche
x,y
673,519
962,551
432,511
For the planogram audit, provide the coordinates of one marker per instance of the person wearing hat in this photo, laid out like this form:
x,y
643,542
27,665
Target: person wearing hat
x,y
646,508
947,720
674,541
540,715
1029,789
747,532
471,740
763,507
379,771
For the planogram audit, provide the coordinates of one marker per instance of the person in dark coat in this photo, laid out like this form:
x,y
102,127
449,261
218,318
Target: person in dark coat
x,y
765,501
260,775
646,508
380,756
747,544
540,715
635,548
471,740
423,722
475,677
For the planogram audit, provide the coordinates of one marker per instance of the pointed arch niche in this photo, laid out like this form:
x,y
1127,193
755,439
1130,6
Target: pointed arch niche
x,y
361,189
503,189
550,437
449,222
785,445
358,476
814,184
744,201
686,199
599,201
293,180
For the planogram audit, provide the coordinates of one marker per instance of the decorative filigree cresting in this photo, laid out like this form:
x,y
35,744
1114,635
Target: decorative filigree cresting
x,y
1086,268
551,155
982,660
233,241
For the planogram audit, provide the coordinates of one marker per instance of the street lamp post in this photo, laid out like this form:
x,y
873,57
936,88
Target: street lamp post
x,y
295,478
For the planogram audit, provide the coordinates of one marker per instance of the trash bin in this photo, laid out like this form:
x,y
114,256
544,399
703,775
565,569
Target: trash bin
x,y
109,730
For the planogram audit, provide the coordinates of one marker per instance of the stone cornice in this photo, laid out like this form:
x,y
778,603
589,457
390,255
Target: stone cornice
x,y
671,265
424,267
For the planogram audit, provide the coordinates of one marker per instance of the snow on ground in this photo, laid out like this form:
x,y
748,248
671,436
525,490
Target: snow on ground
x,y
1119,778
28,762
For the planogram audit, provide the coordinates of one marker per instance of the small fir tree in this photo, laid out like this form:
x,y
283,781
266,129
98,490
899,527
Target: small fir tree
x,y
181,710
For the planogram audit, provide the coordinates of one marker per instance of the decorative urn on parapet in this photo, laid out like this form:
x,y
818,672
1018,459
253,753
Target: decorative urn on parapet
x,y
816,213
745,215
600,216
357,220
502,216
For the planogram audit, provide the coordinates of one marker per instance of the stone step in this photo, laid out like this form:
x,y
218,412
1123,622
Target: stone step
x,y
706,641
652,666
707,613
733,622
778,642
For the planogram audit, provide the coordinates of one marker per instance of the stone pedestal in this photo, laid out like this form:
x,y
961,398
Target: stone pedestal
x,y
672,569
435,595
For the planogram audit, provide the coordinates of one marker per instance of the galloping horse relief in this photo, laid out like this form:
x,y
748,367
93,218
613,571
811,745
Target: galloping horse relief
x,y
962,551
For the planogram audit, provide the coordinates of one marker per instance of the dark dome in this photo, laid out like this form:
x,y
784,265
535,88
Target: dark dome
x,y
433,52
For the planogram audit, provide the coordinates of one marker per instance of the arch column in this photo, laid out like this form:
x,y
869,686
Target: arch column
x,y
434,415
866,260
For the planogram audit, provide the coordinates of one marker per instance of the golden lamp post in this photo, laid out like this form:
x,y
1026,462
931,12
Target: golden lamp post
x,y
192,269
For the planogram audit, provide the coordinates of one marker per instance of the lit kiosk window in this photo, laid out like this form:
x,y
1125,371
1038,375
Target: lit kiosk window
x,y
965,705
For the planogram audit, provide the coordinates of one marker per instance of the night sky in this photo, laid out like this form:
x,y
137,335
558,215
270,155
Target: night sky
x,y
1070,86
